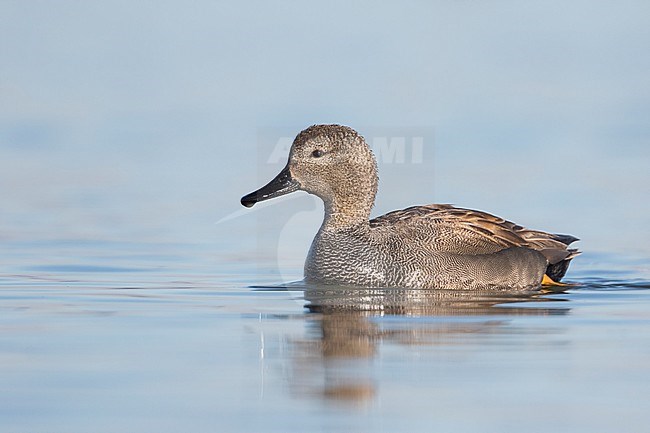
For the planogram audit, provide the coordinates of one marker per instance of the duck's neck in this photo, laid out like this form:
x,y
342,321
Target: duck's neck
x,y
340,215
350,207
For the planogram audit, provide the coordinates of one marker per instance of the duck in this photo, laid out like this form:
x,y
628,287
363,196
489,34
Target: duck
x,y
435,246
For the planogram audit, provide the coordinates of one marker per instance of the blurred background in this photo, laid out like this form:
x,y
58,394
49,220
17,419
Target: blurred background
x,y
144,122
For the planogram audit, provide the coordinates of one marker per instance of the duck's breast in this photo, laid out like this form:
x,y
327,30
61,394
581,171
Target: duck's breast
x,y
349,257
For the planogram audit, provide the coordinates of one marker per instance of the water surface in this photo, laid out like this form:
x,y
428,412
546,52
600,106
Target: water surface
x,y
166,341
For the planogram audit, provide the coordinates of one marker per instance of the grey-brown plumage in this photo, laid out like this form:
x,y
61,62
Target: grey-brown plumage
x,y
432,246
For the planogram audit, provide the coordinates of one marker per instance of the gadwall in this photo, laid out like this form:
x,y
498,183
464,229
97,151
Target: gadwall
x,y
431,246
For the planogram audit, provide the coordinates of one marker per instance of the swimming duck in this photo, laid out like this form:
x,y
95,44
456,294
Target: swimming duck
x,y
431,246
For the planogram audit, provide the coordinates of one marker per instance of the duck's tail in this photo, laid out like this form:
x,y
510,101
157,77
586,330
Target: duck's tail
x,y
554,247
556,271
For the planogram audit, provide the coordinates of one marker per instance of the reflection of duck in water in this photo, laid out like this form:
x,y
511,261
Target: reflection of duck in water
x,y
329,299
337,363
434,246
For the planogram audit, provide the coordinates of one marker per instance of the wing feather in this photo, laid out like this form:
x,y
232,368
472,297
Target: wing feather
x,y
465,231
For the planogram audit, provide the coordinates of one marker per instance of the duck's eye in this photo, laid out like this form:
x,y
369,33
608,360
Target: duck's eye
x,y
317,153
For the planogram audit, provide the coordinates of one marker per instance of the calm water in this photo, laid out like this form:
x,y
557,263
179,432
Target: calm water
x,y
163,339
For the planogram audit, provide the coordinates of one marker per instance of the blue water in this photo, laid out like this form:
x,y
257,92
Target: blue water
x,y
137,295
162,339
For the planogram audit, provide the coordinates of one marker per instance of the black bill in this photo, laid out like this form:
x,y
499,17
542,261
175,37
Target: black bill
x,y
282,184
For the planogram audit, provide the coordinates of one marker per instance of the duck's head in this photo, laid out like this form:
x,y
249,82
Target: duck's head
x,y
333,162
